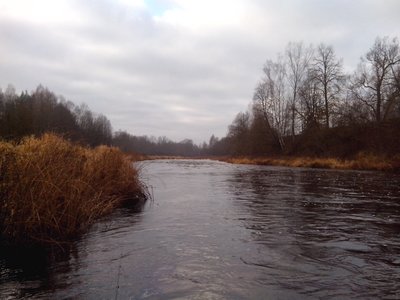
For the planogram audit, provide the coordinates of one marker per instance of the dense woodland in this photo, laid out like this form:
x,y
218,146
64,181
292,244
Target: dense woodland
x,y
304,104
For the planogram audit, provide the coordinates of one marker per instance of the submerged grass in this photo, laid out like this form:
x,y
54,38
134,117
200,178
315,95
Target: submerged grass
x,y
51,190
363,161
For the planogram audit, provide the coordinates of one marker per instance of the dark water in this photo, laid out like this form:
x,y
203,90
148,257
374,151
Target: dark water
x,y
220,231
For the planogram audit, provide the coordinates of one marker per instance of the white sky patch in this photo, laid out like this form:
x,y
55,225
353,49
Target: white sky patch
x,y
102,49
133,3
157,7
204,15
179,108
41,11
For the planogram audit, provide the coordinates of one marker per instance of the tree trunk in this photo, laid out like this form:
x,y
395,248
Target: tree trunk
x,y
378,105
326,105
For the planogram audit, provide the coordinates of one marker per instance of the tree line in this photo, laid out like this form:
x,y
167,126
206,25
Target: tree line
x,y
155,146
305,93
43,111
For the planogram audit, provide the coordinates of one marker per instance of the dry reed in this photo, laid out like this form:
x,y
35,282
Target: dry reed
x,y
363,161
51,190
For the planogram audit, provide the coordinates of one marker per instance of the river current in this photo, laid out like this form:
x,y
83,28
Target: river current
x,y
220,231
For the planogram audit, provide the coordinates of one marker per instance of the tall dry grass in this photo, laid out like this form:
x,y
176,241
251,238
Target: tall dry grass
x,y
363,161
51,190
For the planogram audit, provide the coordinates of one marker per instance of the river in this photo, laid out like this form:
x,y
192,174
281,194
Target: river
x,y
220,231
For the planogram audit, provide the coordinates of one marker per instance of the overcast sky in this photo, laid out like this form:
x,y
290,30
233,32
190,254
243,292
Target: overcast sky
x,y
175,68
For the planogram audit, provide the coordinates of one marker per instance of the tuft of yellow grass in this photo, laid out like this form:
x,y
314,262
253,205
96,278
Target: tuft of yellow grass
x,y
363,161
369,161
51,190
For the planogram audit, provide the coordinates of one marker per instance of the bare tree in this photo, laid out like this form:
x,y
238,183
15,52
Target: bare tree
x,y
1,105
102,130
9,93
394,100
373,84
238,132
213,141
310,103
270,97
327,70
298,58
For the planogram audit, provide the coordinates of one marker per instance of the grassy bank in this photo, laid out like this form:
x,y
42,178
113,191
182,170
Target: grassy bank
x,y
362,161
51,190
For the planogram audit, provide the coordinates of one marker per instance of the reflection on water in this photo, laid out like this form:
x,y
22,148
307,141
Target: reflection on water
x,y
220,231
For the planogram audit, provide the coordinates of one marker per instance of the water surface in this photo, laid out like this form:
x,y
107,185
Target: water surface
x,y
221,231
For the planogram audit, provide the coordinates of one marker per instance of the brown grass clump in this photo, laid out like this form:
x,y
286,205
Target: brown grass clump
x,y
368,161
51,190
363,161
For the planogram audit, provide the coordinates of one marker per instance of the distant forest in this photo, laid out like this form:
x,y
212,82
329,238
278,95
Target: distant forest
x,y
42,111
304,104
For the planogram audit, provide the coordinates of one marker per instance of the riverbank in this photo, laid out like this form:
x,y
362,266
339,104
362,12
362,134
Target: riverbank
x,y
53,190
141,157
362,161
